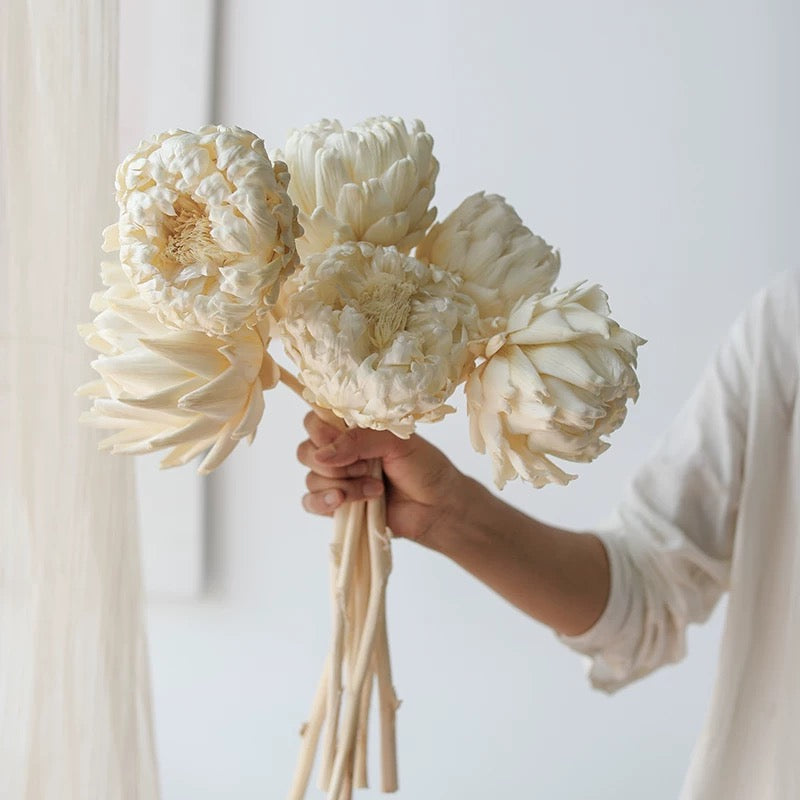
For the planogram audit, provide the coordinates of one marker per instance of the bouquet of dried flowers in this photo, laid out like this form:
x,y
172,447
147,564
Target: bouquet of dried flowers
x,y
384,312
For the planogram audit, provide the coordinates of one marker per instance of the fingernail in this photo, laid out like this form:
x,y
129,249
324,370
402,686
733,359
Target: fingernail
x,y
373,488
357,470
326,453
330,498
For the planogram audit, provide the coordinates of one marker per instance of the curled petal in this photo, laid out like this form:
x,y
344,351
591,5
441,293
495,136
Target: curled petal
x,y
380,338
180,391
500,260
555,382
206,228
372,183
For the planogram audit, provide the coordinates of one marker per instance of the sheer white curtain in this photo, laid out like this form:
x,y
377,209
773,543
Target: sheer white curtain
x,y
74,683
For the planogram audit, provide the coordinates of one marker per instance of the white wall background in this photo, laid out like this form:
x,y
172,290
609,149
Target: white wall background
x,y
654,143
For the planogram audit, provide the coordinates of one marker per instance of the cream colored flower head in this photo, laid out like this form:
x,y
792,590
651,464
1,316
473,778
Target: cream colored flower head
x,y
373,182
555,382
500,260
380,338
206,230
159,389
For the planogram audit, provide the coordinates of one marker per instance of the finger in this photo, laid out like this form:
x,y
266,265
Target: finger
x,y
324,503
320,432
360,444
305,455
355,489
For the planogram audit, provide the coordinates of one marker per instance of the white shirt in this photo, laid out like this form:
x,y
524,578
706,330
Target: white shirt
x,y
717,508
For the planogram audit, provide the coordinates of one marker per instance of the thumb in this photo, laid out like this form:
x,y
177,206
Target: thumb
x,y
357,444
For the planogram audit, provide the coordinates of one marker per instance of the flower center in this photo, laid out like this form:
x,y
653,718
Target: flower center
x,y
189,239
385,302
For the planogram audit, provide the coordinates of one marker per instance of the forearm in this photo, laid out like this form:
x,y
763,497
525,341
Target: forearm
x,y
559,577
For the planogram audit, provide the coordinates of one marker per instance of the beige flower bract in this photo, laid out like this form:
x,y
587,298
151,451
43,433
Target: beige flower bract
x,y
163,389
500,260
206,231
554,383
373,182
380,338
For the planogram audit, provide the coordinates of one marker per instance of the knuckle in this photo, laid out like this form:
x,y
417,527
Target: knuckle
x,y
355,490
346,444
302,452
324,471
402,447
320,432
358,469
315,482
398,449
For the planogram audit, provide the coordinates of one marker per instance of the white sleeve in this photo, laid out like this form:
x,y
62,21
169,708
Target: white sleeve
x,y
671,540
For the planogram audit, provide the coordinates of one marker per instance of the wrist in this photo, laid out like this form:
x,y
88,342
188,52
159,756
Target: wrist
x,y
460,523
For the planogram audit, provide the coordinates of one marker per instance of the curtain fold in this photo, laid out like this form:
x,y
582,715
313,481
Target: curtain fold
x,y
74,672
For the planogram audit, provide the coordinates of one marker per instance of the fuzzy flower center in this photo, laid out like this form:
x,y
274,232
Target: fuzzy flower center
x,y
386,304
189,239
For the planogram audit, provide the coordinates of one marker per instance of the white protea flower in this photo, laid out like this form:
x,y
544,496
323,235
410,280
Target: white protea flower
x,y
206,229
554,383
485,242
161,388
373,182
380,338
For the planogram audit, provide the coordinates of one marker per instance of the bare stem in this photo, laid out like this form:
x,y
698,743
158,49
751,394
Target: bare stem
x,y
344,757
380,566
361,598
387,698
347,788
310,735
348,521
287,379
389,704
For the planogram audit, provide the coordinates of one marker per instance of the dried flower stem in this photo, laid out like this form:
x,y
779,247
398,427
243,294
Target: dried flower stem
x,y
348,522
310,735
362,730
347,788
380,567
360,565
388,707
293,383
361,598
376,518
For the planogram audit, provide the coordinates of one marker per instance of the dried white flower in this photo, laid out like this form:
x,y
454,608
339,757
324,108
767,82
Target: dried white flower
x,y
161,388
380,338
371,183
206,228
500,260
554,383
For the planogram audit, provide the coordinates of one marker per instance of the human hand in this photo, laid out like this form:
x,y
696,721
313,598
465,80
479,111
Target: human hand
x,y
423,488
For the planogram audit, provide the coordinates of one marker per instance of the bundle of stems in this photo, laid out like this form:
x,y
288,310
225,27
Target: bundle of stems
x,y
360,563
